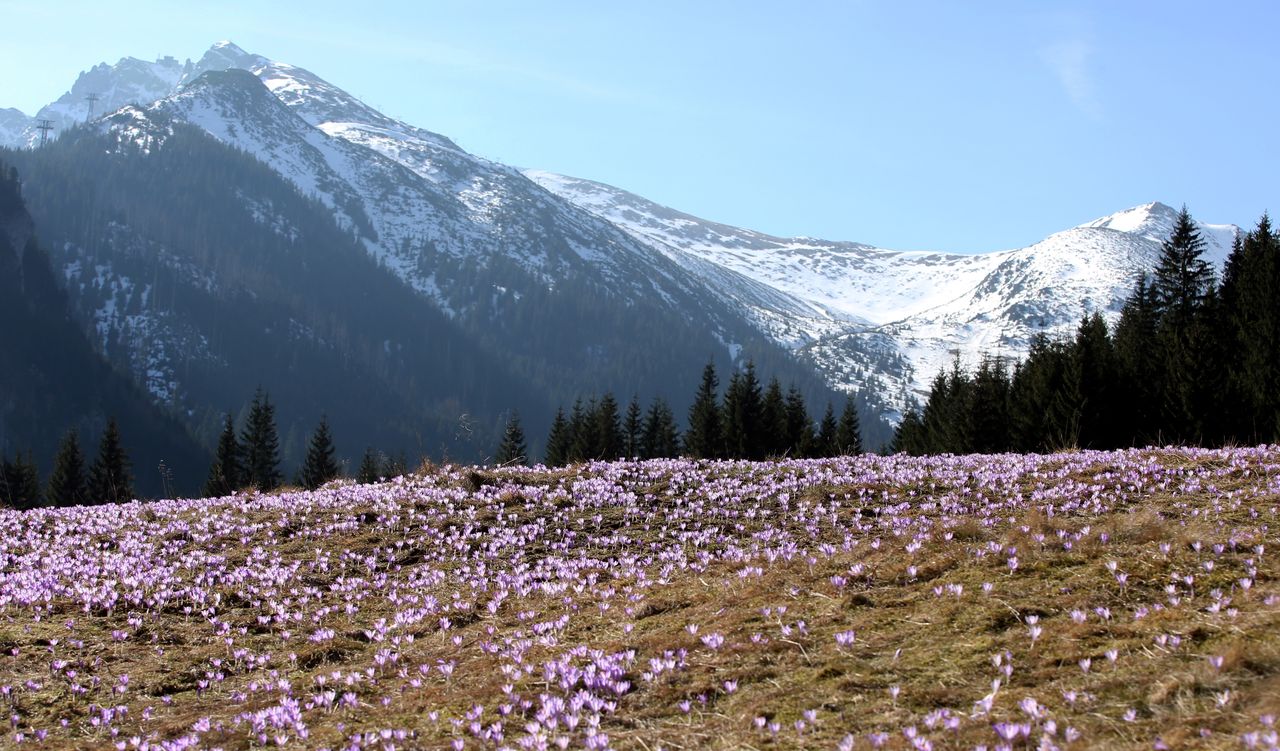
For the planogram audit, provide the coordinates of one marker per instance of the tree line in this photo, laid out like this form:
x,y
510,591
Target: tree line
x,y
1193,359
747,422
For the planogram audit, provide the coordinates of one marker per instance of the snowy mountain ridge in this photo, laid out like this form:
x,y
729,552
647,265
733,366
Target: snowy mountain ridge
x,y
889,320
876,321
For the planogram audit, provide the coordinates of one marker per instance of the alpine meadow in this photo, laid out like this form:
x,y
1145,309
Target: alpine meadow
x,y
323,430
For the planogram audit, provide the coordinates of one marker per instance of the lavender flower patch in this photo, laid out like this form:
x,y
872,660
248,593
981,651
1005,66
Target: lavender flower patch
x,y
1077,600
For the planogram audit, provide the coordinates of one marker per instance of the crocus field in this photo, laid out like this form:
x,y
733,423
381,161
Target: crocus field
x,y
1076,600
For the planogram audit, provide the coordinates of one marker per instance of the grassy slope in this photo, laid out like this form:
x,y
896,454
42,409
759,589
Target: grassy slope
x,y
637,555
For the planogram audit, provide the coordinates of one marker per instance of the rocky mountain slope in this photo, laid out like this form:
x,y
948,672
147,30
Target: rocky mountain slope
x,y
496,249
884,320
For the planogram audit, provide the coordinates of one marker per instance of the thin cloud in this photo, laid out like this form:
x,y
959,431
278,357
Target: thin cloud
x,y
1070,61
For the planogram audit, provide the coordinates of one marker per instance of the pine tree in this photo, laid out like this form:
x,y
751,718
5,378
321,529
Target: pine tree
x,y
826,442
109,478
559,441
226,474
20,483
1138,363
1183,285
743,415
849,429
370,470
705,437
320,465
1182,277
1097,372
988,415
261,445
660,438
584,432
909,437
773,417
1251,327
512,450
608,429
631,427
799,424
67,482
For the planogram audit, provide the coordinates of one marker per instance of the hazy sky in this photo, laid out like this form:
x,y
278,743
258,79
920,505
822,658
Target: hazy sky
x,y
915,125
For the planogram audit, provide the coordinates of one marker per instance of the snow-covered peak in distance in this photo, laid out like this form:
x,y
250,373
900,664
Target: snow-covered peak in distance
x,y
888,320
13,125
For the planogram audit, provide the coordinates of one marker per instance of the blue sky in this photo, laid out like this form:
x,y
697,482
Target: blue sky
x,y
912,125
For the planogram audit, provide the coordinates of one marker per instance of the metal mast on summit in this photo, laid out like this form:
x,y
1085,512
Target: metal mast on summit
x,y
44,126
92,99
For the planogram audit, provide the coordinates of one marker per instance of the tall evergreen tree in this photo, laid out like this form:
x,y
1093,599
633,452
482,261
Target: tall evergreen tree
x,y
20,483
226,474
632,425
827,428
110,480
799,424
744,415
1182,276
1251,326
1138,364
608,429
773,418
988,415
705,437
321,464
584,431
909,437
513,449
1183,285
559,441
370,470
660,438
849,429
1097,372
261,445
67,482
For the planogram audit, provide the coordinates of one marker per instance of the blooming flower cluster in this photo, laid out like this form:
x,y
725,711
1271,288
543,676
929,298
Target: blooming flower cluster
x,y
997,602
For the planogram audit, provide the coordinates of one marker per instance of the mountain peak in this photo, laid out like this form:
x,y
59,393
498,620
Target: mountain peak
x,y
1154,220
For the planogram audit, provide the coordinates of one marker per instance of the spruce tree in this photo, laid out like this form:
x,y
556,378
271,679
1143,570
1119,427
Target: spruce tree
x,y
773,417
226,474
261,445
396,465
988,415
849,429
909,436
1183,284
26,483
512,450
705,438
799,424
608,429
370,470
826,442
67,482
559,441
20,482
1097,373
660,438
1251,326
632,425
320,465
1138,364
743,415
583,430
109,478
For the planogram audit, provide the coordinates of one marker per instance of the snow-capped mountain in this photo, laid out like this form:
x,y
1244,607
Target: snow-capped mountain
x,y
562,298
494,247
888,320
